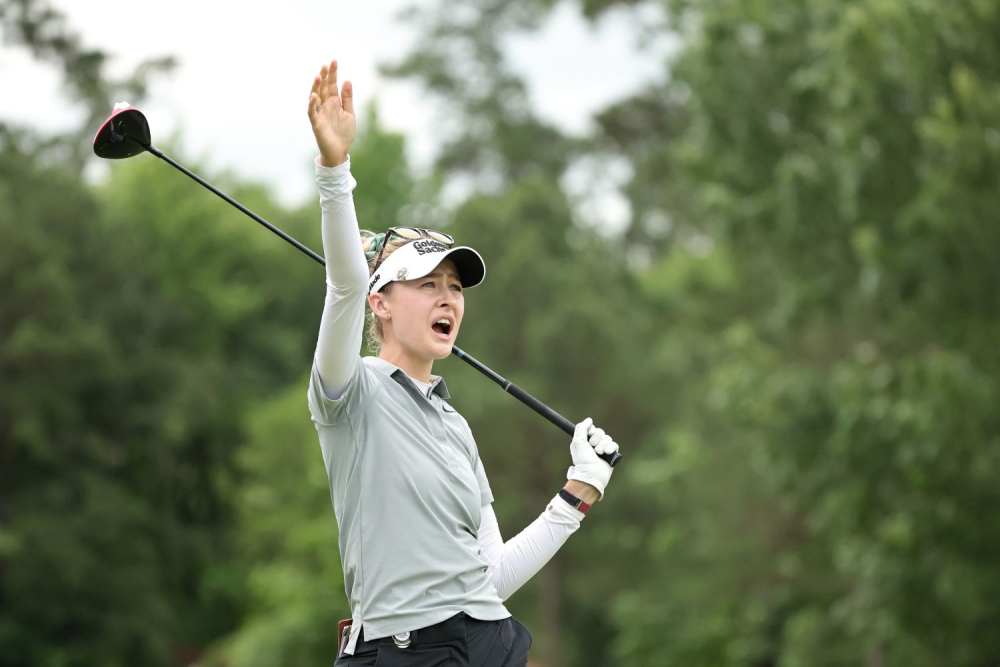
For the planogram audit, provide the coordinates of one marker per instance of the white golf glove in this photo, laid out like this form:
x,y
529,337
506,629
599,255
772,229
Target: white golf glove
x,y
588,442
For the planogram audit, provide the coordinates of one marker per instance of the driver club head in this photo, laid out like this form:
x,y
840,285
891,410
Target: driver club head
x,y
125,133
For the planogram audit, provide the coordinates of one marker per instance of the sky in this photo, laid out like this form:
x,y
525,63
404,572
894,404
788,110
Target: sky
x,y
237,100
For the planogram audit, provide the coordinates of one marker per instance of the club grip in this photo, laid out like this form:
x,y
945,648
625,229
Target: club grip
x,y
529,400
554,417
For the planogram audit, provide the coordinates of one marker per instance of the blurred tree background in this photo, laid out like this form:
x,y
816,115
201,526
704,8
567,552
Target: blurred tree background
x,y
795,339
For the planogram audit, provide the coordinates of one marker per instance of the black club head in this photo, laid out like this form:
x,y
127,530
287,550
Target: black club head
x,y
124,134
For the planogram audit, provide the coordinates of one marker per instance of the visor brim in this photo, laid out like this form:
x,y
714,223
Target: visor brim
x,y
471,267
408,263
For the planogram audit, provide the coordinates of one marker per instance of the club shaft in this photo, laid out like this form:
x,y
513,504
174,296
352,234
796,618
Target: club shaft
x,y
566,425
163,156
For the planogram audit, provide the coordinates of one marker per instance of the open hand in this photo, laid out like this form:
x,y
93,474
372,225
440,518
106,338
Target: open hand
x,y
332,116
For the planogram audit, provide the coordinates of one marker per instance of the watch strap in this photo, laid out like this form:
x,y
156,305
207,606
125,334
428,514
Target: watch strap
x,y
573,501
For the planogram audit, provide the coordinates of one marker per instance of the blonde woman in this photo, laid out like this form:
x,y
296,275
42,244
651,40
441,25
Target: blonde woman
x,y
426,570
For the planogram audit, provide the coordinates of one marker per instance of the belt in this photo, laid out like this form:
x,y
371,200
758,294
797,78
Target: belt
x,y
458,626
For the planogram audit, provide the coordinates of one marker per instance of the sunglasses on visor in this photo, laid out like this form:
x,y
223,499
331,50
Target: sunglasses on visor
x,y
412,234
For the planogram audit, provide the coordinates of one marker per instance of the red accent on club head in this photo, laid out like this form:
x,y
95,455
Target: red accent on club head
x,y
125,133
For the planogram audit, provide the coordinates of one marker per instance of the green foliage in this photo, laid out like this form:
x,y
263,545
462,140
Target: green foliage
x,y
385,186
138,325
851,201
491,133
287,543
113,436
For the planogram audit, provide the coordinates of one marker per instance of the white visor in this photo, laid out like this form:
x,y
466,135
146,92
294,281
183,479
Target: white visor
x,y
418,258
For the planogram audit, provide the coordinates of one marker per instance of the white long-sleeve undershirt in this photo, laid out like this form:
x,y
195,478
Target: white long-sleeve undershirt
x,y
513,563
342,324
338,349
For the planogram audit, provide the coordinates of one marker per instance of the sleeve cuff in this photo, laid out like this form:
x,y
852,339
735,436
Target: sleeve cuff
x,y
340,169
563,508
334,182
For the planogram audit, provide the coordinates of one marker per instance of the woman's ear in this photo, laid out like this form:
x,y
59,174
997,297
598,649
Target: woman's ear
x,y
379,306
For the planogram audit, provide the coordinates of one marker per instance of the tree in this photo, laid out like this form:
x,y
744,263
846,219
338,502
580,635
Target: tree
x,y
858,371
139,324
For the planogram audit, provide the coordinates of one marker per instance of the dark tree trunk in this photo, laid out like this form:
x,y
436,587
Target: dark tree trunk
x,y
549,607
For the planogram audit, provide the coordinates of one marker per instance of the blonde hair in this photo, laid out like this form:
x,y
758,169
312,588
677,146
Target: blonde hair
x,y
375,337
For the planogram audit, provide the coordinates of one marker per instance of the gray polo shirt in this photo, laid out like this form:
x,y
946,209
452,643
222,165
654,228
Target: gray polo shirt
x,y
407,485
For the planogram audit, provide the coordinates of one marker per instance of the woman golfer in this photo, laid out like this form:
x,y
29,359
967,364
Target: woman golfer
x,y
425,567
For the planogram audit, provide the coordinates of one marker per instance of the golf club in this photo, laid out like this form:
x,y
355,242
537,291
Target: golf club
x,y
126,133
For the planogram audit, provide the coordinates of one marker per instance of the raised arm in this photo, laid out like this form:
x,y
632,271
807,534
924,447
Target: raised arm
x,y
331,115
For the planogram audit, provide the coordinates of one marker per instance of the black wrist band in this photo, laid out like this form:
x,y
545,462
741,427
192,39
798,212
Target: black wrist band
x,y
574,502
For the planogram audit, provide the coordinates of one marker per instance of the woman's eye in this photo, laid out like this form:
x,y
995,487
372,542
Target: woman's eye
x,y
457,288
426,284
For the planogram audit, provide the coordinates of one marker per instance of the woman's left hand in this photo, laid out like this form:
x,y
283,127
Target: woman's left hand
x,y
588,467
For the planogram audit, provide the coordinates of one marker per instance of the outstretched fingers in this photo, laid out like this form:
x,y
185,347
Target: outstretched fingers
x,y
331,83
323,95
347,97
314,99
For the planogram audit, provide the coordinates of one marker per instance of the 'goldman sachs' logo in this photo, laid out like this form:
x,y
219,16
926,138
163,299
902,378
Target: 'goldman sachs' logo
x,y
425,246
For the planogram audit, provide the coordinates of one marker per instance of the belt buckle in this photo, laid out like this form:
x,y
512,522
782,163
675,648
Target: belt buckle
x,y
402,640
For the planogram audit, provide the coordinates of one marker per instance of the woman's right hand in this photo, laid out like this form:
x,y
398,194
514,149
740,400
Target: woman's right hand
x,y
332,116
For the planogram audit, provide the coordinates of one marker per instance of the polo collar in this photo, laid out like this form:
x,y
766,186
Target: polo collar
x,y
399,375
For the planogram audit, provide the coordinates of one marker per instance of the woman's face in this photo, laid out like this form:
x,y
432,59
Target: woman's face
x,y
424,315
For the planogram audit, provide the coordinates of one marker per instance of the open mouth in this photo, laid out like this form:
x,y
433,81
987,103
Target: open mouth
x,y
442,327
